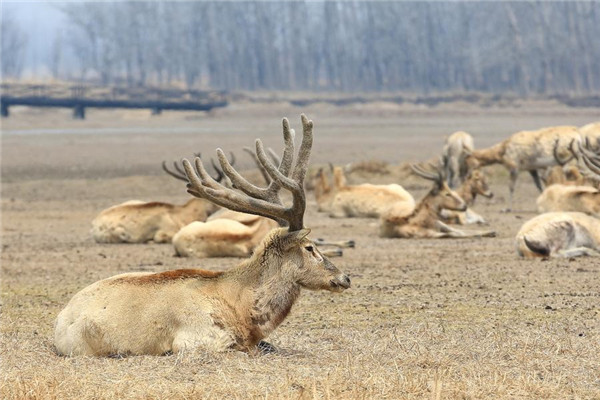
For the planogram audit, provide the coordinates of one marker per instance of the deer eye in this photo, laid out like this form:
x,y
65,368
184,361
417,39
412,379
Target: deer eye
x,y
309,249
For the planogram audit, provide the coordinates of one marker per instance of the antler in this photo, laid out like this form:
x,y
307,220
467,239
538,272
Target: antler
x,y
590,159
179,173
556,156
260,201
437,177
272,154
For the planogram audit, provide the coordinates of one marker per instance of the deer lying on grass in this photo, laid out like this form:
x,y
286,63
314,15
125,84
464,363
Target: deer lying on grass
x,y
475,184
457,147
365,200
559,234
135,221
424,221
525,151
581,198
171,311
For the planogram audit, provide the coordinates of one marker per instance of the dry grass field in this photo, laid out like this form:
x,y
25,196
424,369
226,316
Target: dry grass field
x,y
439,319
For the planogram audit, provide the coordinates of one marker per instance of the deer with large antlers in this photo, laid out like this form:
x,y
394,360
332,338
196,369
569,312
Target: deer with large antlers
x,y
136,221
525,151
424,220
158,313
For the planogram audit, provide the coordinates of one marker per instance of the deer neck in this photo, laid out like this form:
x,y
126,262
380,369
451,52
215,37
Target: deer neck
x,y
339,178
323,190
426,212
268,292
491,155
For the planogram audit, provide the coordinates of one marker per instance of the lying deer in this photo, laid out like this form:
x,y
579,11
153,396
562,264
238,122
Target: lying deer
x,y
457,147
365,200
135,221
475,184
525,151
583,198
172,311
591,134
424,221
559,234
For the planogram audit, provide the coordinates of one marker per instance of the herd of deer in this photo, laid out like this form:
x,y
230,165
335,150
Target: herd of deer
x,y
171,311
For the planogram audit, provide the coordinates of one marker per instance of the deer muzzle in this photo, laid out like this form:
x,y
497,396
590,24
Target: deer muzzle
x,y
340,283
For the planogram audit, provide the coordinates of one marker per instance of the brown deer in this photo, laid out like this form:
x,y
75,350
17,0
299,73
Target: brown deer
x,y
135,221
424,221
171,311
457,147
475,184
525,151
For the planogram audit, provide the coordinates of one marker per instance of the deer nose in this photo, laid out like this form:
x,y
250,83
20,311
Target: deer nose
x,y
344,281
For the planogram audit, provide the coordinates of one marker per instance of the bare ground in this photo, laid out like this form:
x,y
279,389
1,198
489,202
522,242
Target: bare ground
x,y
424,318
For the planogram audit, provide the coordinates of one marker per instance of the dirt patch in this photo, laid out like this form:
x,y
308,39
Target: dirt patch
x,y
424,318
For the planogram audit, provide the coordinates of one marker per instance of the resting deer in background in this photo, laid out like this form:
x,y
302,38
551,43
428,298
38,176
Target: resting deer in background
x,y
424,221
525,151
135,221
583,198
364,200
591,134
475,184
559,234
171,311
457,147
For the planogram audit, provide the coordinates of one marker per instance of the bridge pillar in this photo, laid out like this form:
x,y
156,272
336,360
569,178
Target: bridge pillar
x,y
79,112
4,110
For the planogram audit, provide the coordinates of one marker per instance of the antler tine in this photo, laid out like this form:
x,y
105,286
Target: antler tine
x,y
266,176
201,185
418,170
556,156
589,159
219,177
180,176
255,200
274,156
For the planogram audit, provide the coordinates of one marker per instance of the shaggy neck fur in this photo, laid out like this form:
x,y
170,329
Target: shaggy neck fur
x,y
269,291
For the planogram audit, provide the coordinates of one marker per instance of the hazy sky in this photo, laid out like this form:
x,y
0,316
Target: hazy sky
x,y
42,20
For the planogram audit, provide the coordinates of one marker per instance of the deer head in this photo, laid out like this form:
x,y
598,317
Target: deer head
x,y
479,183
288,249
443,196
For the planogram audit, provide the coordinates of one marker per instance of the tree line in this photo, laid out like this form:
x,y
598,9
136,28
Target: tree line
x,y
422,47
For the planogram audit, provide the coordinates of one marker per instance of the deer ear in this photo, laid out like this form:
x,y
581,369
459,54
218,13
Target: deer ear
x,y
293,238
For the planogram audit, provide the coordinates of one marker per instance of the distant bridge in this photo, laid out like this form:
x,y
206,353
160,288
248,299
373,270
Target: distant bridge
x,y
80,97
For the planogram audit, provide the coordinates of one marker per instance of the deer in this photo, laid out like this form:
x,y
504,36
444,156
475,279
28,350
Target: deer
x,y
423,221
157,313
475,184
363,201
457,146
135,221
582,198
525,151
559,234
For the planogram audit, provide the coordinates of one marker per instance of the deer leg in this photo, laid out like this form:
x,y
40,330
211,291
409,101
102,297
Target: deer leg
x,y
340,243
514,173
577,252
536,179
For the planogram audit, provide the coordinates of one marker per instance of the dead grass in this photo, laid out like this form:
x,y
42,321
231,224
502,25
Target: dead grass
x,y
443,319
